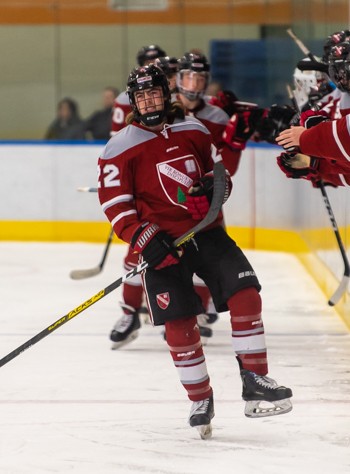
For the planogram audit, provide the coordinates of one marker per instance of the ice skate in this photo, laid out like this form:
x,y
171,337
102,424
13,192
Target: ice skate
x,y
212,318
263,396
201,415
205,332
126,328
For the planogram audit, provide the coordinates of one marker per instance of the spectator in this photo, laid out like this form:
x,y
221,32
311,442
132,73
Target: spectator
x,y
67,125
98,125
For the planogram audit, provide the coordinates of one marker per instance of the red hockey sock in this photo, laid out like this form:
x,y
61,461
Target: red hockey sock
x,y
248,336
132,295
186,350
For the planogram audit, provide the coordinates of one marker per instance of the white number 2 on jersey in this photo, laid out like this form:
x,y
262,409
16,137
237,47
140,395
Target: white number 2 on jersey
x,y
109,175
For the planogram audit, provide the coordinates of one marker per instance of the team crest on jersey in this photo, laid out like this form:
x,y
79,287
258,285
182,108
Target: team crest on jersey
x,y
163,300
176,176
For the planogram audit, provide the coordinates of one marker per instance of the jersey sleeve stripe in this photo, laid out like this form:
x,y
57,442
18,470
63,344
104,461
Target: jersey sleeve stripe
x,y
336,137
343,180
123,214
117,200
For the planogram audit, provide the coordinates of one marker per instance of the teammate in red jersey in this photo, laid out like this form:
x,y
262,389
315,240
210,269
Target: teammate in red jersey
x,y
324,143
229,136
146,171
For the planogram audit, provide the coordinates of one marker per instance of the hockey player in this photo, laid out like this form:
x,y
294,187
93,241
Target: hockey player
x,y
324,148
229,135
145,171
126,328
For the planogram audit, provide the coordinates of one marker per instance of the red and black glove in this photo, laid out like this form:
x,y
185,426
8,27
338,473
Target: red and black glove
x,y
155,246
226,100
310,118
285,161
274,121
241,126
199,197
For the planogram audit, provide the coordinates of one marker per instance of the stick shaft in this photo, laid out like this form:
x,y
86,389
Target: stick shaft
x,y
216,204
346,275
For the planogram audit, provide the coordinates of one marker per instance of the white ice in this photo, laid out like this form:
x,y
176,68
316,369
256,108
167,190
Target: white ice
x,y
71,405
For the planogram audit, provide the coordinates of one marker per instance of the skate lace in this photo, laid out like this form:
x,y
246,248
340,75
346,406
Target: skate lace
x,y
265,381
200,407
124,323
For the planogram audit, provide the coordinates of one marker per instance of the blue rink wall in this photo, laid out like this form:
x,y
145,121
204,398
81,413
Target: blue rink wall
x,y
266,211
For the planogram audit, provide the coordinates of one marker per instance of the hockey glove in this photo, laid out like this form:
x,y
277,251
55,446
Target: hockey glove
x,y
241,126
199,196
278,118
298,166
310,118
226,101
155,245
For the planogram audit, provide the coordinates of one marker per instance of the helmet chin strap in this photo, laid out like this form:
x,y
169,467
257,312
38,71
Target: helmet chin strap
x,y
152,119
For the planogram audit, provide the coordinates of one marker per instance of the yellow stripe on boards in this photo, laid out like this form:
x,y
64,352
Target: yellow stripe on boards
x,y
43,231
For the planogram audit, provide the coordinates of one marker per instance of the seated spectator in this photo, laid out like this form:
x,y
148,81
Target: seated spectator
x,y
67,125
98,125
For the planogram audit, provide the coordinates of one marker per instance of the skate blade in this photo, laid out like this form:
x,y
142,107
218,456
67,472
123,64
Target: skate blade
x,y
205,431
278,407
117,345
204,340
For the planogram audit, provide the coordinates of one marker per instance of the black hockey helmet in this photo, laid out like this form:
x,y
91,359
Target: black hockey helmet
x,y
339,66
149,53
169,65
196,63
147,77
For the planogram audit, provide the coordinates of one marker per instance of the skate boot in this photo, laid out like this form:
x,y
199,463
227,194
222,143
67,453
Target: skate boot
x,y
126,328
259,389
212,318
201,415
204,331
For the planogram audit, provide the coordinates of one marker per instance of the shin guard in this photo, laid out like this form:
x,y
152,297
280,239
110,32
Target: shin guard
x,y
186,350
248,336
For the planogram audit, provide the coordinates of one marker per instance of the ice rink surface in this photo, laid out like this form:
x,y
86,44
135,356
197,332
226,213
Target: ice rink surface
x,y
71,405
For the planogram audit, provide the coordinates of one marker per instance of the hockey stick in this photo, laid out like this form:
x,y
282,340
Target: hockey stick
x,y
314,64
216,204
87,189
346,275
90,272
302,46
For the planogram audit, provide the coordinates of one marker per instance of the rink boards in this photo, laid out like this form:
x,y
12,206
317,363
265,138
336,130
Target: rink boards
x,y
265,211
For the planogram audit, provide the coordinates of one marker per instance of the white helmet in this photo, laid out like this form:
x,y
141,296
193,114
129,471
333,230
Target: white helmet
x,y
304,83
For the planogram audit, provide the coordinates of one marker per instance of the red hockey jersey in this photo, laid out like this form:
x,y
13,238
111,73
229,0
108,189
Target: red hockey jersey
x,y
144,176
121,109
